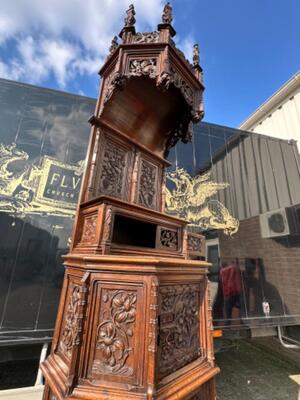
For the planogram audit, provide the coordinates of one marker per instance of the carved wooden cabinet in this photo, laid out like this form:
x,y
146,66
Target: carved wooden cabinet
x,y
134,319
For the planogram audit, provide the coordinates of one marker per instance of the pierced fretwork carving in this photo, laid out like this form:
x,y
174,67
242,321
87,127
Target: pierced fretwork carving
x,y
115,332
113,171
168,238
178,327
143,67
89,228
70,335
194,243
146,37
147,184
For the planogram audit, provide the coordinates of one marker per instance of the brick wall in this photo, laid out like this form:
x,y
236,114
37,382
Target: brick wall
x,y
280,264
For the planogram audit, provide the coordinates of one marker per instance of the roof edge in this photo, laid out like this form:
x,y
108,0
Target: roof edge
x,y
285,90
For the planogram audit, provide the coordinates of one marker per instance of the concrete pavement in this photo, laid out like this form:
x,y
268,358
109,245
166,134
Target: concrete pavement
x,y
29,393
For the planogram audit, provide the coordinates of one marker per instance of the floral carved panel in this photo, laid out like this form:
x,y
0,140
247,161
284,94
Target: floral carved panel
x,y
178,327
116,333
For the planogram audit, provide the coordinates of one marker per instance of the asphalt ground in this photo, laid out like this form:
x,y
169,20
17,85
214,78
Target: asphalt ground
x,y
250,370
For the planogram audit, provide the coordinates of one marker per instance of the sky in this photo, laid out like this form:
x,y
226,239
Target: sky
x,y
248,48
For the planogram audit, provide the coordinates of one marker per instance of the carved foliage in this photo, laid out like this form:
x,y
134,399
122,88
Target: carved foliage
x,y
139,67
168,238
179,327
114,81
89,228
115,332
185,89
147,184
194,243
113,170
70,335
146,37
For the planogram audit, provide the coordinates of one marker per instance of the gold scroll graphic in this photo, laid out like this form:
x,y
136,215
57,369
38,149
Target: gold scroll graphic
x,y
191,200
49,188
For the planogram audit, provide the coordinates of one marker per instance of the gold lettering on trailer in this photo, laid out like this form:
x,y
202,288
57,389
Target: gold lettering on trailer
x,y
50,187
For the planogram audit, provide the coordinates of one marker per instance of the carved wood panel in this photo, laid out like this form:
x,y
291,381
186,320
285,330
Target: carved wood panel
x,y
178,327
195,244
70,334
116,339
148,188
114,160
167,238
89,228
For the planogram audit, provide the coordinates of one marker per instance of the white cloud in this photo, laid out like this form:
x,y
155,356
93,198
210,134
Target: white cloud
x,y
63,38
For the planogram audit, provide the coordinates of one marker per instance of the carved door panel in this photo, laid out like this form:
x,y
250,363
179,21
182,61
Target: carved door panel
x,y
179,343
149,184
114,168
116,344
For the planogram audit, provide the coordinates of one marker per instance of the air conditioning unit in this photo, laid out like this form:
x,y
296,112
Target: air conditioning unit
x,y
277,223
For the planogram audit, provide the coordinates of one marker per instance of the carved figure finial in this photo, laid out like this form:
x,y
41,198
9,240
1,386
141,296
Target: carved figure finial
x,y
114,45
196,55
167,16
130,19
